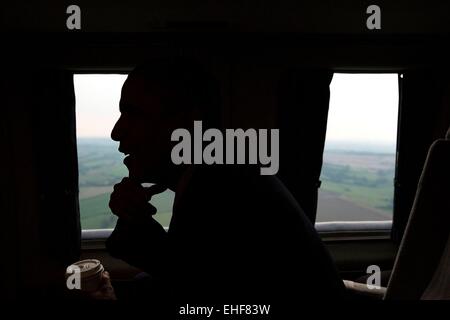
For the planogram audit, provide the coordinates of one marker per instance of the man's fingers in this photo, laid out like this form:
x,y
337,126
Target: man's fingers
x,y
129,184
121,183
130,200
105,285
105,290
154,189
151,209
106,278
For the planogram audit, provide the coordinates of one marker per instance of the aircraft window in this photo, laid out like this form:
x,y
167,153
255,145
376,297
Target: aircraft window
x,y
359,157
100,163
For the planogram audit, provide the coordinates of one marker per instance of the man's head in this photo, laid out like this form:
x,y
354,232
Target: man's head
x,y
157,98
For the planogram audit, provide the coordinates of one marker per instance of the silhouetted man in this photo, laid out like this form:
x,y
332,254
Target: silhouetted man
x,y
234,233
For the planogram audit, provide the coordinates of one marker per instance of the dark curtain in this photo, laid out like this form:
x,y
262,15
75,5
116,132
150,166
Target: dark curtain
x,y
303,111
39,204
58,165
424,116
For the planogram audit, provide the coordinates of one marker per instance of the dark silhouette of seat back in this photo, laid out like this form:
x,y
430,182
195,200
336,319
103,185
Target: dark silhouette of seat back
x,y
428,227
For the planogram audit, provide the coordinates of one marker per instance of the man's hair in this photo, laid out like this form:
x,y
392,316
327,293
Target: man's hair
x,y
184,86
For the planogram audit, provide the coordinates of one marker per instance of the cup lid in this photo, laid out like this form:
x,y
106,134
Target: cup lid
x,y
87,267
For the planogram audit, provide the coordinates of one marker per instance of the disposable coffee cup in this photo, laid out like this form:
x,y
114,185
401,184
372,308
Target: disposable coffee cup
x,y
90,272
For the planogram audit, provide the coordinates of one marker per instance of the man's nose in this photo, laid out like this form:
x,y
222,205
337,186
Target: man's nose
x,y
116,131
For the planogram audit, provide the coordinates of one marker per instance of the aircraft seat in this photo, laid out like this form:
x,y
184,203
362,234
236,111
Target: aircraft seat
x,y
427,234
422,266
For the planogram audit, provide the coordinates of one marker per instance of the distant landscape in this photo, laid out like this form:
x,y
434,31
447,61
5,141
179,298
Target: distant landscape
x,y
356,185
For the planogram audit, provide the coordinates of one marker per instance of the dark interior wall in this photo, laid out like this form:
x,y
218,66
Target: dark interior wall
x,y
328,33
326,16
106,51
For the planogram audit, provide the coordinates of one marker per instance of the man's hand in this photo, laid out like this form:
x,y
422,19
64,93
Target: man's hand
x,y
130,200
105,290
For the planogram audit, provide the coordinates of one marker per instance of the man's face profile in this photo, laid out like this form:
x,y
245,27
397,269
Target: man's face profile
x,y
143,131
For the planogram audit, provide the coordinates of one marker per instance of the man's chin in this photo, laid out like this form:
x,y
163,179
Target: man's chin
x,y
142,174
139,177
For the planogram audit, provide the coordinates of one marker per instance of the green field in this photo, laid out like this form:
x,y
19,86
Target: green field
x,y
365,187
369,197
365,179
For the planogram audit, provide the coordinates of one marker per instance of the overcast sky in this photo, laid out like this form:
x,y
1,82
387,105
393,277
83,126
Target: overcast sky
x,y
97,103
363,107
